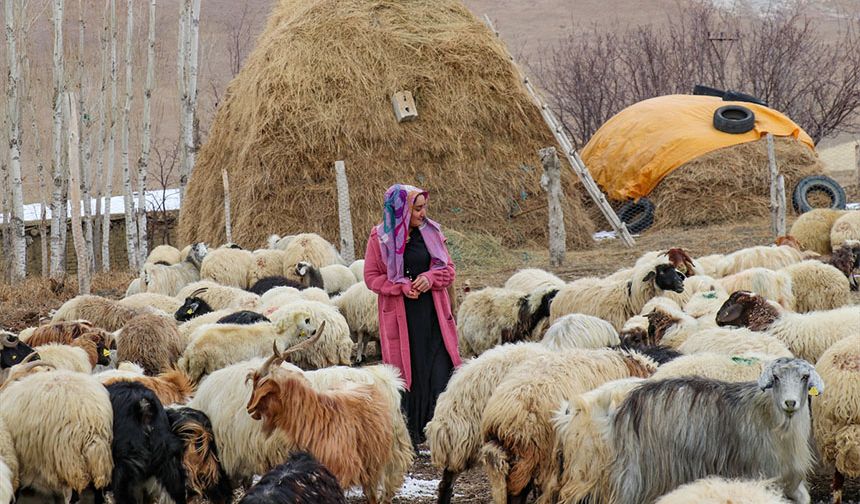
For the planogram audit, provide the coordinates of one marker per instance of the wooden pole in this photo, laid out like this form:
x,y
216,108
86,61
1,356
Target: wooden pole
x,y
857,161
227,223
551,183
347,241
777,192
70,111
570,153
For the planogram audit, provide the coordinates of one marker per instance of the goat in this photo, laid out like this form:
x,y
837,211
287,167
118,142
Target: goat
x,y
268,283
301,480
12,350
204,475
244,317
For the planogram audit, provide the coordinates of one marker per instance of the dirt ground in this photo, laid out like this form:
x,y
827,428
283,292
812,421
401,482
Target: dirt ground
x,y
483,262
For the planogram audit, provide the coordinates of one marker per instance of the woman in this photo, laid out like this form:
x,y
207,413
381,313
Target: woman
x,y
408,265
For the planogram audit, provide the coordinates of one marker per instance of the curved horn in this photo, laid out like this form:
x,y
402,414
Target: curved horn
x,y
198,292
304,344
9,340
21,370
266,367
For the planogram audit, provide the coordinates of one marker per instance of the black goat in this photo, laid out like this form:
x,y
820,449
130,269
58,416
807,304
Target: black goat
x,y
143,448
270,282
301,480
193,307
660,354
204,474
310,275
12,350
244,317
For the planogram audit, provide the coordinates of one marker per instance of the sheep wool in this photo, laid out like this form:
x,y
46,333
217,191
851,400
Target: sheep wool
x,y
770,284
580,331
357,268
358,305
716,366
8,465
333,348
308,247
694,285
818,286
186,329
133,288
151,341
812,229
167,304
716,490
846,228
220,297
265,263
723,340
164,253
227,266
836,413
53,458
101,312
759,257
65,357
532,279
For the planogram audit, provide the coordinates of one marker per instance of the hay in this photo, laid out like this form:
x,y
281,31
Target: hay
x,y
729,185
317,89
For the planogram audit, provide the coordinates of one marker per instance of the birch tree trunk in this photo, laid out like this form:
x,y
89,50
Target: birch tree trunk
x,y
13,109
43,188
70,111
111,142
128,201
190,104
84,142
99,181
146,144
57,207
182,84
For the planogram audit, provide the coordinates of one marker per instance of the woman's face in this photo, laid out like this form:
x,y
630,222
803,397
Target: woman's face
x,y
419,211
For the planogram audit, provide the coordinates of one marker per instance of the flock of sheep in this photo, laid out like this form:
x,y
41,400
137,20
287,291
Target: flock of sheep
x,y
678,379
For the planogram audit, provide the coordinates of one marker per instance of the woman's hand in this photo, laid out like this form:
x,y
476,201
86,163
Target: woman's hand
x,y
421,284
412,294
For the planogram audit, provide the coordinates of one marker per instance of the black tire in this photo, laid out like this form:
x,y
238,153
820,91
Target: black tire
x,y
734,119
638,215
821,184
738,96
701,90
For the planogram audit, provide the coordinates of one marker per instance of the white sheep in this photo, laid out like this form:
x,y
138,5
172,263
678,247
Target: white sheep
x,y
817,286
8,466
215,346
761,256
621,298
532,279
580,331
277,297
101,312
694,285
359,306
846,228
227,266
133,288
62,425
812,229
492,316
170,280
70,358
837,414
705,305
807,335
309,247
333,279
186,329
357,268
714,490
335,345
519,439
716,366
165,303
265,263
738,341
245,450
164,254
277,242
454,432
771,284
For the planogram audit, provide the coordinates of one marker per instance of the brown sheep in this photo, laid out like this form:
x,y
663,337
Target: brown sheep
x,y
152,342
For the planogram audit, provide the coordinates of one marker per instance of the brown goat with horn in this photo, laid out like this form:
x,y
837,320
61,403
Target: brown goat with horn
x,y
347,429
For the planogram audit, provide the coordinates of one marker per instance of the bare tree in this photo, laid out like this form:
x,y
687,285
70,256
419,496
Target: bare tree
x,y
239,38
182,84
781,57
166,161
143,162
99,182
58,213
83,260
13,110
84,144
128,201
189,109
111,142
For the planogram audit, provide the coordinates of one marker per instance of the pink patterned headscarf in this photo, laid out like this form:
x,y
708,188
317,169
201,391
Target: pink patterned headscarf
x,y
394,231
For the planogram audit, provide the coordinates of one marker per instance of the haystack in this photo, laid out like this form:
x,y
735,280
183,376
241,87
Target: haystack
x,y
317,88
730,184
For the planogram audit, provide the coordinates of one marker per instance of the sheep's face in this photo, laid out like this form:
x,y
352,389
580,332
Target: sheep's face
x,y
667,278
302,268
736,310
791,381
102,346
192,307
12,350
197,253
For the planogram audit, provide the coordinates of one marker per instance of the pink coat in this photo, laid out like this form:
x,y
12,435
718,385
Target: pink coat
x,y
393,332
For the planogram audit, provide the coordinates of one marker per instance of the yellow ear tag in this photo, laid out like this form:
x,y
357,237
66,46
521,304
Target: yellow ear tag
x,y
303,333
106,352
190,311
813,391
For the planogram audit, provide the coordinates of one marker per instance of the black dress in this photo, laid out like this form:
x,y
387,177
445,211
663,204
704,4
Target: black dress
x,y
431,365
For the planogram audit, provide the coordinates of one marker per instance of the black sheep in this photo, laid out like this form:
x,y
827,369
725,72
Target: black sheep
x,y
301,480
12,350
244,317
270,282
143,446
204,474
193,307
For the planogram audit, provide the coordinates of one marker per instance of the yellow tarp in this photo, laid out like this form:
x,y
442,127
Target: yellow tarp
x,y
632,152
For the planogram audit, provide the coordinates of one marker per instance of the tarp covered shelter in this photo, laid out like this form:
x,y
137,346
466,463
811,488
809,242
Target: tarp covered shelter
x,y
638,147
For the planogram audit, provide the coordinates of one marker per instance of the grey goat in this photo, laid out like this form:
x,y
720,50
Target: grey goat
x,y
671,432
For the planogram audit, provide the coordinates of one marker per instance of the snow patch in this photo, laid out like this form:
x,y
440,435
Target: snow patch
x,y
412,489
